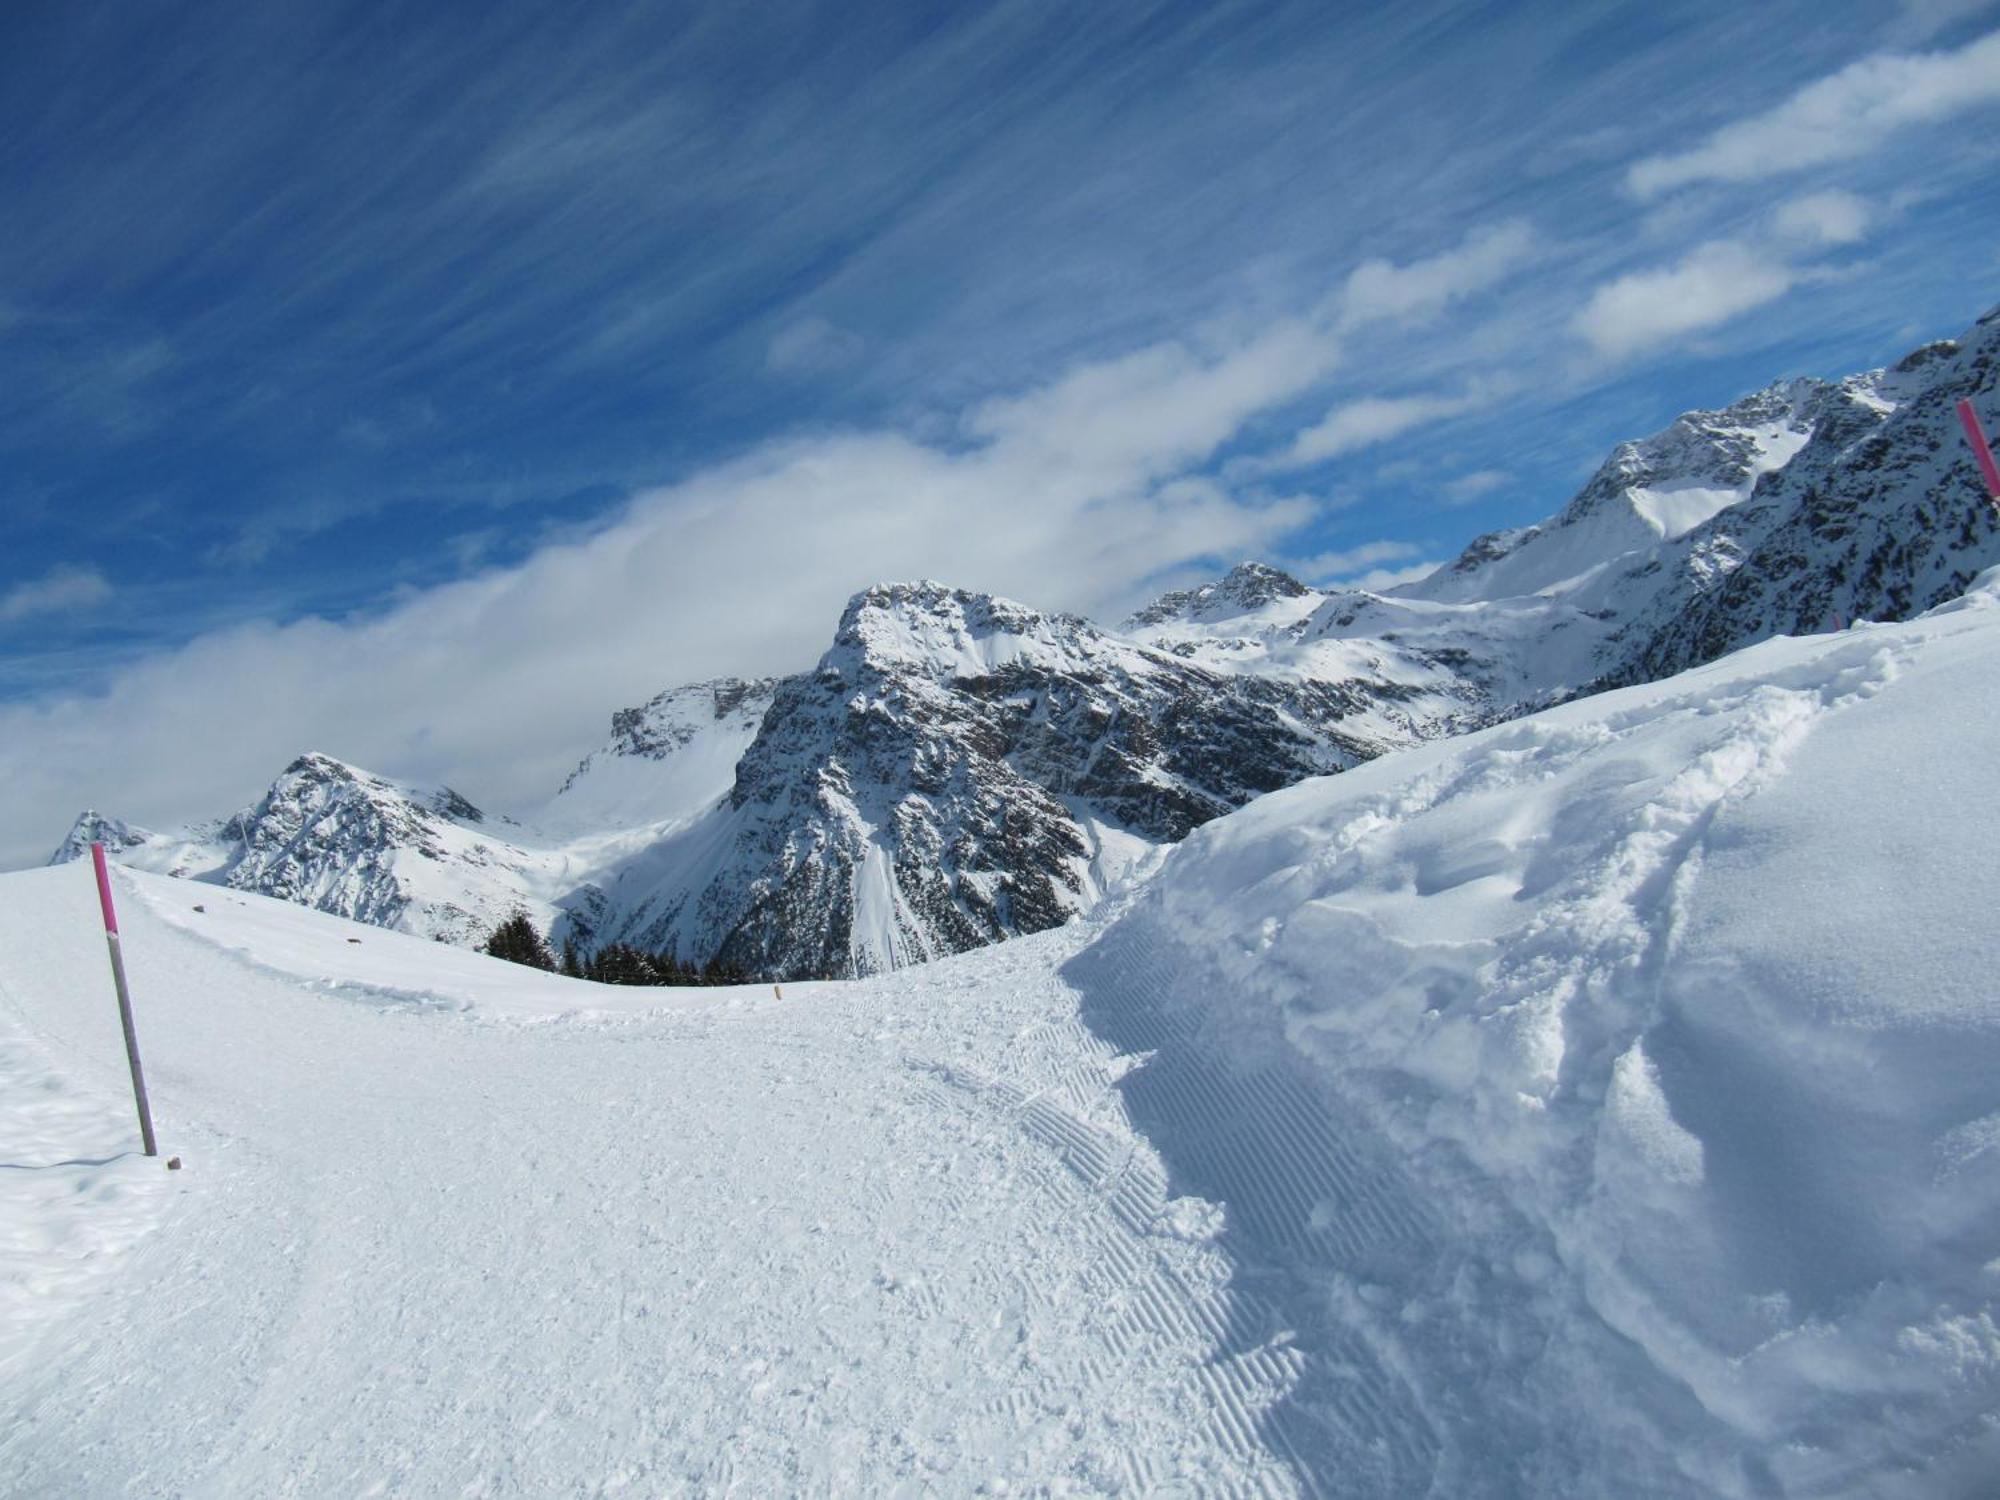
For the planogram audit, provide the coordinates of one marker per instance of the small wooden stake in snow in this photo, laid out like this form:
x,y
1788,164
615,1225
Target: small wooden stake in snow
x,y
124,998
1976,435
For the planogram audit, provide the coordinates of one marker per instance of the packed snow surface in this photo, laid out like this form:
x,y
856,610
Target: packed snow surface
x,y
1604,1103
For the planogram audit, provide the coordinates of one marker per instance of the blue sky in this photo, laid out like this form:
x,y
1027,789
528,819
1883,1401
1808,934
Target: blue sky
x,y
355,353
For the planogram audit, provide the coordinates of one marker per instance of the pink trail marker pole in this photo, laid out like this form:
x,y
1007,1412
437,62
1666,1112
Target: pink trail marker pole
x,y
124,999
1976,435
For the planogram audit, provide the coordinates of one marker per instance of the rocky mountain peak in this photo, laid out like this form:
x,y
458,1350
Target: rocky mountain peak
x,y
321,781
934,631
669,720
1247,587
93,827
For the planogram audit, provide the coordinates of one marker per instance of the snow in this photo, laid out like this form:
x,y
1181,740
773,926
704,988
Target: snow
x,y
676,760
1607,1102
1659,1038
449,1227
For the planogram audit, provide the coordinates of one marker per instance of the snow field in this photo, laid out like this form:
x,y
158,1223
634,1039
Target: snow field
x,y
465,1236
70,1203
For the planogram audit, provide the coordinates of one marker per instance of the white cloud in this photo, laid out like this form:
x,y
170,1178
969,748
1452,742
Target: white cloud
x,y
1345,564
1829,218
1469,487
1381,580
812,346
1382,290
1157,409
60,590
1837,118
1370,420
1716,282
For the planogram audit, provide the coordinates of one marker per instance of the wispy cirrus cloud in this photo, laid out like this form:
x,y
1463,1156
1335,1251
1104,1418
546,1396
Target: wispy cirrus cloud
x,y
812,346
1382,290
1367,421
62,590
1716,282
1832,217
1349,561
1374,566
1845,115
1480,483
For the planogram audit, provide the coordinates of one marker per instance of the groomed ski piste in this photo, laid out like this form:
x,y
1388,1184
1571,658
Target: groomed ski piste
x,y
1606,1103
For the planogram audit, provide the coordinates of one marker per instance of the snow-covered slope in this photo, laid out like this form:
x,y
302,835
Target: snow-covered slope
x,y
1610,1099
666,761
1604,1103
447,1226
1655,489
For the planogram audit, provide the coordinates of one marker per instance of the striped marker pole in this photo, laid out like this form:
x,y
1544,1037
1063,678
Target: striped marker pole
x,y
124,999
1976,435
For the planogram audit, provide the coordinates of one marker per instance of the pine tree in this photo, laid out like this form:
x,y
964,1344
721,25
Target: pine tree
x,y
721,971
517,941
572,961
620,963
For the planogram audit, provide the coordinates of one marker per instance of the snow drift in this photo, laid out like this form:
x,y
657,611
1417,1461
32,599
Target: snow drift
x,y
1612,1097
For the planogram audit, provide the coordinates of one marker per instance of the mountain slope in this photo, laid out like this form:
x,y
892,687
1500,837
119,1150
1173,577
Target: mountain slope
x,y
960,768
1880,516
666,761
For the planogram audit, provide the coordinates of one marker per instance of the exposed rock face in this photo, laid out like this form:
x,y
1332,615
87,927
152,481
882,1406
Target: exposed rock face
x,y
92,827
673,719
959,768
1882,515
1248,586
332,837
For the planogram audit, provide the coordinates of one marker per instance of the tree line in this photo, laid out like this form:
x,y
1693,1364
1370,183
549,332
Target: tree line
x,y
518,941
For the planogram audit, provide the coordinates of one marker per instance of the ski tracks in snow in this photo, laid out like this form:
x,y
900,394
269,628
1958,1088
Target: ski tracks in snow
x,y
888,1238
1292,1066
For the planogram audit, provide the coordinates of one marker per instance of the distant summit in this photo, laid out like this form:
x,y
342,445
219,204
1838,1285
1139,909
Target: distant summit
x,y
1245,587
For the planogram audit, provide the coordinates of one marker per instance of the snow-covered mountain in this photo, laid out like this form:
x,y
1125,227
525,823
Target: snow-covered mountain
x,y
667,760
1802,508
1880,516
344,841
960,768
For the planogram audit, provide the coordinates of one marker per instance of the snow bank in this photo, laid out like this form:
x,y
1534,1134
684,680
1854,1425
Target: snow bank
x,y
1614,1094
